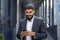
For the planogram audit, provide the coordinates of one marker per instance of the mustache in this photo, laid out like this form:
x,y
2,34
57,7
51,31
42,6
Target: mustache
x,y
28,15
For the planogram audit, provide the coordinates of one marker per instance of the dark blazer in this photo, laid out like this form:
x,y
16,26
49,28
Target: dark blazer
x,y
39,27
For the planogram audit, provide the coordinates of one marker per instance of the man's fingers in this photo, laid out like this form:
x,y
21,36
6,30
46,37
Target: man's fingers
x,y
22,33
27,33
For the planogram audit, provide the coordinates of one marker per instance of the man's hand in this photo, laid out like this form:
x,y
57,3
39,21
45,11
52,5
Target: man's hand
x,y
27,33
23,33
30,33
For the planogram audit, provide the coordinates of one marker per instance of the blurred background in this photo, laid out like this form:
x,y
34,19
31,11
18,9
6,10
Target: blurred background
x,y
12,11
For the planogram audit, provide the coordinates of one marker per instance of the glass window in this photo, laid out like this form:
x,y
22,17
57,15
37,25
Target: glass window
x,y
41,11
0,10
47,13
44,10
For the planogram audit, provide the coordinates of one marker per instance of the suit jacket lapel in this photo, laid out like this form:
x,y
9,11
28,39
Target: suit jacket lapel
x,y
24,25
34,24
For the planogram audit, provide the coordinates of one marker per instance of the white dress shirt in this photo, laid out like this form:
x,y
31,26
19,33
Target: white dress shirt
x,y
29,27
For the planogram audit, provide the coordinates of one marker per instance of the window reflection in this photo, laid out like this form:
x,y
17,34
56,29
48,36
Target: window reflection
x,y
0,10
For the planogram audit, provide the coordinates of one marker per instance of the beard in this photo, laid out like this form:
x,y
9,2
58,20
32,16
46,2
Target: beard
x,y
29,18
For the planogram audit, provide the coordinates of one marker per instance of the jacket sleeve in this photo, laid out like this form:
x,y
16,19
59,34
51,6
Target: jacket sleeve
x,y
42,31
19,31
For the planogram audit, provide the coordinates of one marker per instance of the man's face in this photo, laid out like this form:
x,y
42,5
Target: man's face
x,y
29,13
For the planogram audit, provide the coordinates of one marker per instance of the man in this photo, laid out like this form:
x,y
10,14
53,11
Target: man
x,y
32,27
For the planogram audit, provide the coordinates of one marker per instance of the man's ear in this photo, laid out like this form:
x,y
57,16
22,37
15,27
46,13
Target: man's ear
x,y
34,11
25,12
